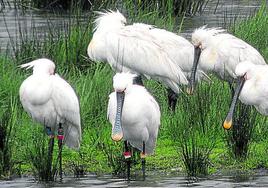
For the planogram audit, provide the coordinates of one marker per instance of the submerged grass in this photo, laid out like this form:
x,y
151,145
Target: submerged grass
x,y
191,139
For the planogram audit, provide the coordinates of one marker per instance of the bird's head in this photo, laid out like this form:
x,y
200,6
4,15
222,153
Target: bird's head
x,y
40,66
121,81
109,19
202,36
243,69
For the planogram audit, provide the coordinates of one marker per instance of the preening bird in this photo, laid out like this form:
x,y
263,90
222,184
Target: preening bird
x,y
141,49
52,102
137,119
219,52
252,90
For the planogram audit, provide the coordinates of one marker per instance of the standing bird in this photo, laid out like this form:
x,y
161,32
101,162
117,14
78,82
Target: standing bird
x,y
51,101
139,119
252,88
220,52
143,50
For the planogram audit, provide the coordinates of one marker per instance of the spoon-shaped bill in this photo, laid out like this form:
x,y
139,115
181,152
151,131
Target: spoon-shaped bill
x,y
197,52
117,133
229,118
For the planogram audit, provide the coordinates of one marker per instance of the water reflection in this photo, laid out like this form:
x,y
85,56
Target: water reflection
x,y
225,13
216,13
248,180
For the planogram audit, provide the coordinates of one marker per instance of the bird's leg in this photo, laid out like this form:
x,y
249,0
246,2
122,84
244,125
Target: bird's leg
x,y
143,155
60,140
172,99
138,80
231,88
50,153
127,155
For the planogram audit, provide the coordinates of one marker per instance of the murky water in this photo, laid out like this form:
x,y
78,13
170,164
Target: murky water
x,y
225,13
216,13
239,180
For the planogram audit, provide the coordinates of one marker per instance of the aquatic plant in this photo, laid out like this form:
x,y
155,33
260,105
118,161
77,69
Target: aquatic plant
x,y
254,30
239,137
9,114
196,129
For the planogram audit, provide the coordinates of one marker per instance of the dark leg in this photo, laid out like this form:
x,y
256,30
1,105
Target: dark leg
x,y
138,81
50,157
127,155
60,140
143,160
231,88
172,99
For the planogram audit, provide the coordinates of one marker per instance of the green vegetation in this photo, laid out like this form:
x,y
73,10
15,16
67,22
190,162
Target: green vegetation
x,y
162,7
191,140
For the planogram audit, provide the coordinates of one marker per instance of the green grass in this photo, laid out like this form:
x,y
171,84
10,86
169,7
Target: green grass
x,y
197,122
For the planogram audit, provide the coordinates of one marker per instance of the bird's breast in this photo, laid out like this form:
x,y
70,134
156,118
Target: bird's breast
x,y
36,92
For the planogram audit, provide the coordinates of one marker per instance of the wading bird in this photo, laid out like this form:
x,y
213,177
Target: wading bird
x,y
51,101
220,52
143,50
134,115
251,90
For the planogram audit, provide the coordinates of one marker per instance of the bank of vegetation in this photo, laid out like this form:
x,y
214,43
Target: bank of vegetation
x,y
190,141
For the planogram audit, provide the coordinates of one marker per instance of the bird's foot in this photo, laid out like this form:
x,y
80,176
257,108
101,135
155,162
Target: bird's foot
x,y
127,154
143,155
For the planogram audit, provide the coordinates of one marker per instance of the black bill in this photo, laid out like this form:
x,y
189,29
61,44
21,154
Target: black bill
x,y
229,118
197,52
117,133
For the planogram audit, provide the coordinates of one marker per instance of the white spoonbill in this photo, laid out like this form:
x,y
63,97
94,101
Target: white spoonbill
x,y
51,101
220,53
139,119
252,88
141,49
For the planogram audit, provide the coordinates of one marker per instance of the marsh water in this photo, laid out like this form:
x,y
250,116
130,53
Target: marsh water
x,y
258,179
14,21
216,13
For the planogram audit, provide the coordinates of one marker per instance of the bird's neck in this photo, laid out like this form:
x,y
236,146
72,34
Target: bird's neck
x,y
133,88
107,28
40,74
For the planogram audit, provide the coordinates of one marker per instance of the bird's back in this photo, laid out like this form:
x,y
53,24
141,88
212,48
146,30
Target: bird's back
x,y
232,50
137,50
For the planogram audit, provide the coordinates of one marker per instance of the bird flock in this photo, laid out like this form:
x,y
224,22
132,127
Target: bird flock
x,y
137,51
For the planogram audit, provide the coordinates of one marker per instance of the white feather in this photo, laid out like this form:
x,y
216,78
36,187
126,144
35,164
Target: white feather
x,y
141,49
255,89
221,52
140,115
50,100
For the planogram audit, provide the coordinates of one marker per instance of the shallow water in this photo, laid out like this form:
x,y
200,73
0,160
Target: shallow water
x,y
259,179
226,13
216,13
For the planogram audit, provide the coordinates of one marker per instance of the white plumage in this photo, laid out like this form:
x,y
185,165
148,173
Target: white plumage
x,y
140,115
255,89
141,49
221,52
50,100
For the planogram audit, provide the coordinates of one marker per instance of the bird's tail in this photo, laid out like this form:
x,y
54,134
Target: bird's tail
x,y
72,136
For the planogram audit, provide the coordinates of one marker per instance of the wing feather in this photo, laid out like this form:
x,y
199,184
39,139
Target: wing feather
x,y
67,106
139,52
